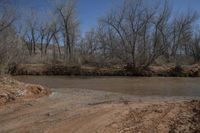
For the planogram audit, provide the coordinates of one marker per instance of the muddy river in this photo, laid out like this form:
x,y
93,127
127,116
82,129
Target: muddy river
x,y
140,86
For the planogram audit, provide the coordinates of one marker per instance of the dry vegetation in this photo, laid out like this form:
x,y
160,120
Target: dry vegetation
x,y
135,35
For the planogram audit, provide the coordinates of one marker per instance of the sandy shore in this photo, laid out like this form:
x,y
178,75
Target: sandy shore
x,y
90,111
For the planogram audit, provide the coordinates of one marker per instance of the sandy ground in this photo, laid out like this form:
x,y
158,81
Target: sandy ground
x,y
89,111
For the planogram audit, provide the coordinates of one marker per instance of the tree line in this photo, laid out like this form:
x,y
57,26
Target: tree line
x,y
135,34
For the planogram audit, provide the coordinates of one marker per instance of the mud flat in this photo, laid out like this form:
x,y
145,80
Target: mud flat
x,y
89,111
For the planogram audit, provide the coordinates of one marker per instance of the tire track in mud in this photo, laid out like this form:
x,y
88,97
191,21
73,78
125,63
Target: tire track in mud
x,y
89,121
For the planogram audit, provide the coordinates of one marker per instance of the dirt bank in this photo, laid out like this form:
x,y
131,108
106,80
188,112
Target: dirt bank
x,y
89,111
165,70
12,91
163,118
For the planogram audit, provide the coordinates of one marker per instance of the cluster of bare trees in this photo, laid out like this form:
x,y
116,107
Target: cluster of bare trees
x,y
38,36
24,37
135,34
59,32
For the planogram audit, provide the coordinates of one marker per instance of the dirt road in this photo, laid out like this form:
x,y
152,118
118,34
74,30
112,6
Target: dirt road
x,y
89,111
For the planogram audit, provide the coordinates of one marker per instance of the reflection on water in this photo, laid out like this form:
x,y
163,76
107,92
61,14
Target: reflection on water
x,y
160,86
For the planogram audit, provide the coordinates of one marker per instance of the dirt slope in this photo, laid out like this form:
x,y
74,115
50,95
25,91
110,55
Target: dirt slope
x,y
12,91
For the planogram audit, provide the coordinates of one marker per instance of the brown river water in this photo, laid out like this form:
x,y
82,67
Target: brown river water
x,y
139,86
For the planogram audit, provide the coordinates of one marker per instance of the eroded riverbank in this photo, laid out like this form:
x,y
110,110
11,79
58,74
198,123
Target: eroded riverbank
x,y
76,70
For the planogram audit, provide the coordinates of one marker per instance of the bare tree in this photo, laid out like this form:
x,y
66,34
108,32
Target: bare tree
x,y
42,33
7,16
49,36
69,23
31,34
194,46
141,31
182,28
160,34
56,37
